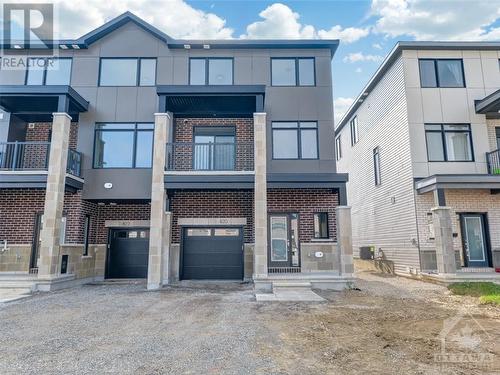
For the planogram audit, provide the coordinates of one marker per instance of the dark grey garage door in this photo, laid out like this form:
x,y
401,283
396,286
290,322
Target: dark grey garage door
x,y
212,253
128,254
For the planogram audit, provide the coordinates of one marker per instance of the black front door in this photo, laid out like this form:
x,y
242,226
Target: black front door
x,y
128,254
474,240
284,247
210,253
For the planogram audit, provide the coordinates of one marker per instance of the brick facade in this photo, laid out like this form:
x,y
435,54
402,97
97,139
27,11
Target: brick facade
x,y
40,132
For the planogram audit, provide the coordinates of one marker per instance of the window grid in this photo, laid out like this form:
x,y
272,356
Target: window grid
x,y
297,70
442,131
137,73
299,127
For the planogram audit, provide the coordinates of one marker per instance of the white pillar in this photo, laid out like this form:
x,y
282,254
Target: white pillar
x,y
344,240
158,202
54,196
260,196
443,233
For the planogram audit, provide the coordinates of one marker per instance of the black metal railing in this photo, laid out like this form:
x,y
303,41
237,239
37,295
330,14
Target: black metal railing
x,y
74,165
18,156
493,161
188,156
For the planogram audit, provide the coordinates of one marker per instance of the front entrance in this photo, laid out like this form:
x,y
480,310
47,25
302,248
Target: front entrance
x,y
474,240
212,253
128,254
284,247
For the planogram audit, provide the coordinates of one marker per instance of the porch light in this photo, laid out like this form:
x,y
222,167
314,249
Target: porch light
x,y
206,46
187,46
75,46
17,46
63,46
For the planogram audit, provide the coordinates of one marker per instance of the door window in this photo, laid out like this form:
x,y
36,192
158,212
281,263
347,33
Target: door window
x,y
474,238
279,239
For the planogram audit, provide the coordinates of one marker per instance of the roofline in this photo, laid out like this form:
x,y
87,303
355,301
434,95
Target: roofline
x,y
394,55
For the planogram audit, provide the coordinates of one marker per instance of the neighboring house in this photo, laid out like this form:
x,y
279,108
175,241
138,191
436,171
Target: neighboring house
x,y
172,159
420,144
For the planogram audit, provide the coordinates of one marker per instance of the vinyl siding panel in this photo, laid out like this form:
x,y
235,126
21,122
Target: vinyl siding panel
x,y
384,215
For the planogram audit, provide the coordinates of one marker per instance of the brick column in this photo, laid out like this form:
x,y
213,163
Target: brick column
x,y
344,240
260,196
443,233
163,123
54,197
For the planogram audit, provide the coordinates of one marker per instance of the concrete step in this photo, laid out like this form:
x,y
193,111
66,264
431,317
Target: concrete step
x,y
291,285
18,284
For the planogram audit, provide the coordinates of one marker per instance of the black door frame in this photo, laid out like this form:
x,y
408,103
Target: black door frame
x,y
212,227
289,237
486,234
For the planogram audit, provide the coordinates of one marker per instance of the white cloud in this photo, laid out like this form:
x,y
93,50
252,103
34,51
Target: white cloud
x,y
437,20
360,56
174,17
377,45
281,22
341,105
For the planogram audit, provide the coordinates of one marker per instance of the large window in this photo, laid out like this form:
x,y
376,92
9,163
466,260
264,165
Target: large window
x,y
123,145
127,72
293,71
211,71
449,142
48,71
295,140
376,166
353,124
321,225
441,73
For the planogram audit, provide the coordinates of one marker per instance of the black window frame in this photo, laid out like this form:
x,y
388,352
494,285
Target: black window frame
x,y
297,73
134,151
377,174
44,79
86,235
338,147
323,214
137,72
443,132
354,127
298,128
436,74
207,68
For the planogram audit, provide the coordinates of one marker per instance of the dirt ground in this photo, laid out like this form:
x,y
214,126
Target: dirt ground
x,y
391,325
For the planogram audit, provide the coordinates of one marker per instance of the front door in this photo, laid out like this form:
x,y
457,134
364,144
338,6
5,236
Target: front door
x,y
284,248
474,240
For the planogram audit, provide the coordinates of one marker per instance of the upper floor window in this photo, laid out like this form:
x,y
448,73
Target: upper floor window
x,y
295,140
123,145
338,148
293,71
210,71
376,166
353,124
448,142
127,72
48,71
441,73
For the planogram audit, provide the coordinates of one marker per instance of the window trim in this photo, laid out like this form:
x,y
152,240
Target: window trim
x,y
443,142
327,226
299,139
207,67
134,151
296,70
354,130
377,173
338,147
137,72
438,83
44,78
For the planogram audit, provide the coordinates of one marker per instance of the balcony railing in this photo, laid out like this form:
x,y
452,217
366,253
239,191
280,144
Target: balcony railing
x,y
493,160
34,156
188,156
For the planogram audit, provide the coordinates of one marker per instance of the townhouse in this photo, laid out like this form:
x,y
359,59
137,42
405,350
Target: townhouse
x,y
420,144
136,155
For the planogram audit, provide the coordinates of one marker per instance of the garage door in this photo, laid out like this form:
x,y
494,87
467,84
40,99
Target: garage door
x,y
128,254
212,254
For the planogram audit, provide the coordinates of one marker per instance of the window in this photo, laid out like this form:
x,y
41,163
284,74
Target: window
x,y
376,166
86,232
497,134
214,148
123,145
354,131
211,71
48,71
441,73
295,140
448,142
293,71
321,225
338,148
62,233
127,72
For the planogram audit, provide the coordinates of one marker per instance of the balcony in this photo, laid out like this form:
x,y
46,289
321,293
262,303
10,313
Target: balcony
x,y
206,158
493,161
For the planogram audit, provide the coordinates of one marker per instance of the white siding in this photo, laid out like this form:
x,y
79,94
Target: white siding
x,y
383,216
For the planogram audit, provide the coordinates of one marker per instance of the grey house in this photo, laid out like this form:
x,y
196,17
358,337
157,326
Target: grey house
x,y
420,144
135,155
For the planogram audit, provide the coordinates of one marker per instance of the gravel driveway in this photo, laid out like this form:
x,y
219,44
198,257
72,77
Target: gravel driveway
x,y
390,326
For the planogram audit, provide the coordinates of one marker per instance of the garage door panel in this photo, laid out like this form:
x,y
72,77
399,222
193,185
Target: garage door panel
x,y
128,254
212,273
211,259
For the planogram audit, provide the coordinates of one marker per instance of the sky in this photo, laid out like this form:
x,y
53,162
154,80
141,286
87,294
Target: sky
x,y
367,29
